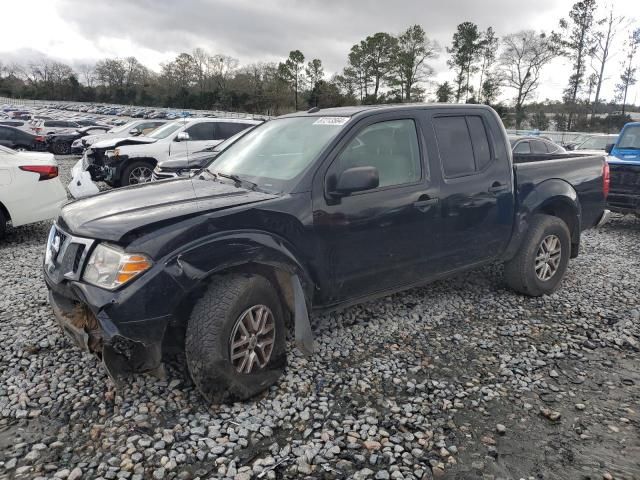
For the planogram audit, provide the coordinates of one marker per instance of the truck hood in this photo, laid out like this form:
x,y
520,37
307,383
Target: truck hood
x,y
120,141
137,209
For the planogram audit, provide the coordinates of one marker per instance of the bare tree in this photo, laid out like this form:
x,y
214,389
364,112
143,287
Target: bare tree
x,y
525,54
609,26
88,74
628,76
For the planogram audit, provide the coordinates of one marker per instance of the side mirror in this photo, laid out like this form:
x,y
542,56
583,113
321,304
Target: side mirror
x,y
182,136
134,131
609,147
571,146
357,179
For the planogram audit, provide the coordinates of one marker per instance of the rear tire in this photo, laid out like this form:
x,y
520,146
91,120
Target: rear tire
x,y
220,326
136,172
540,264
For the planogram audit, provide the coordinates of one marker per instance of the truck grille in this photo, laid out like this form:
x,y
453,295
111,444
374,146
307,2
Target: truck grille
x,y
625,177
65,254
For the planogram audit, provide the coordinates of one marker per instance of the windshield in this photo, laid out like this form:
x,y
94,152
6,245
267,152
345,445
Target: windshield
x,y
597,143
122,128
278,151
166,130
630,138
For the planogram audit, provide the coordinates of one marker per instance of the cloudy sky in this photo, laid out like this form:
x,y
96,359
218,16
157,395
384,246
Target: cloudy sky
x,y
154,31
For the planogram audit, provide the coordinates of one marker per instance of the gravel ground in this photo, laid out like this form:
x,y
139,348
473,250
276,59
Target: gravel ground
x,y
459,379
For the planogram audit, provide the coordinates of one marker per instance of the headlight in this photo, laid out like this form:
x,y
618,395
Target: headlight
x,y
113,153
110,267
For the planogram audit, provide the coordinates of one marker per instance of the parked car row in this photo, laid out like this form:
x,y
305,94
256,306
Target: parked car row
x,y
121,161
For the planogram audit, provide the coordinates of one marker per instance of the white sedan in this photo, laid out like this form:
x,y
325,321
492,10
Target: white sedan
x,y
30,190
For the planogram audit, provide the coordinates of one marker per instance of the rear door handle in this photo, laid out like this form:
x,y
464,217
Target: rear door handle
x,y
497,188
424,203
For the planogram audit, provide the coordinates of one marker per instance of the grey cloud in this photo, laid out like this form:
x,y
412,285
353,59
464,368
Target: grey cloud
x,y
267,30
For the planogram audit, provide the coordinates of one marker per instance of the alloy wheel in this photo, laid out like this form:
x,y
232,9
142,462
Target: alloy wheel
x,y
548,257
252,339
140,175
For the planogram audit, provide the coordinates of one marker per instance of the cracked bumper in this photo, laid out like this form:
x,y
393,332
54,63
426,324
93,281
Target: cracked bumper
x,y
97,334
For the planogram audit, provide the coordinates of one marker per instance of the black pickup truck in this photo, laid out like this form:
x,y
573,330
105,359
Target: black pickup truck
x,y
309,212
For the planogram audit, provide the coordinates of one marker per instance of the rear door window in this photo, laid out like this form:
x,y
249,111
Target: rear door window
x,y
463,143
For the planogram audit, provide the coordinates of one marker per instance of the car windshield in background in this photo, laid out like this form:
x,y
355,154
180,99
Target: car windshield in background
x,y
597,143
122,128
223,146
166,130
277,152
630,138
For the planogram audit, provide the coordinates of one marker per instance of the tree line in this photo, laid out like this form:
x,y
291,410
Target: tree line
x,y
381,68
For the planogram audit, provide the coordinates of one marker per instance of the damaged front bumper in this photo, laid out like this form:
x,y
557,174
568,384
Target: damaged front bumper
x,y
97,334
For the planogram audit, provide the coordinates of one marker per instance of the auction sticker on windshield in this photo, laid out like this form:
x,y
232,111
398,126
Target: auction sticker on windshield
x,y
331,121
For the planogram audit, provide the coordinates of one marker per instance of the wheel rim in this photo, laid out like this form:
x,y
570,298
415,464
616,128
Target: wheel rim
x,y
140,175
252,339
548,257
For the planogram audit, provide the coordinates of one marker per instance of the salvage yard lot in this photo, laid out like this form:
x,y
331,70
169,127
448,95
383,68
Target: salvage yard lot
x,y
459,379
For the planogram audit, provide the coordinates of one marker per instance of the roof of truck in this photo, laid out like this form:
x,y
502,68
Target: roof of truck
x,y
356,109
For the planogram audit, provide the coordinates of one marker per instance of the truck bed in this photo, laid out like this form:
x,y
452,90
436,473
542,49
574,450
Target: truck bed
x,y
583,173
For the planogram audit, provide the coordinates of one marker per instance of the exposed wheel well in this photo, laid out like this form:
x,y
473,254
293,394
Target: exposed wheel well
x,y
279,278
569,216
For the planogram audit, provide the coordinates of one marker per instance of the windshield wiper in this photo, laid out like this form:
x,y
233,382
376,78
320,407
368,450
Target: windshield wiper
x,y
237,179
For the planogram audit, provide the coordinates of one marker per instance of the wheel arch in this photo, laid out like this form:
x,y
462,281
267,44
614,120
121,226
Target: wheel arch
x,y
553,197
260,253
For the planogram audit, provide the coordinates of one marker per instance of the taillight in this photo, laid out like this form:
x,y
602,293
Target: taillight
x,y
46,172
606,180
39,138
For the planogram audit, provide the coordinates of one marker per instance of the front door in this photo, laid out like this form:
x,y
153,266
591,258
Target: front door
x,y
376,240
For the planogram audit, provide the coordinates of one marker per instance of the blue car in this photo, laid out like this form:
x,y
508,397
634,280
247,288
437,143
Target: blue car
x,y
624,165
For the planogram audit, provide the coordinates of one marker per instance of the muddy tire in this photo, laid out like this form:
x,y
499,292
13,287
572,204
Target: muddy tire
x,y
235,340
136,172
540,264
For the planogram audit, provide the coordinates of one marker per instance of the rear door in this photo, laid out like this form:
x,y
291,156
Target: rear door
x,y
476,192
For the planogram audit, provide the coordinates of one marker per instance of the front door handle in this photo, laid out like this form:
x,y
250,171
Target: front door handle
x,y
497,187
425,202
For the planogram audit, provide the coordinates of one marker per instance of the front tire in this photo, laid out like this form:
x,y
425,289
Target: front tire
x,y
540,264
136,172
235,340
